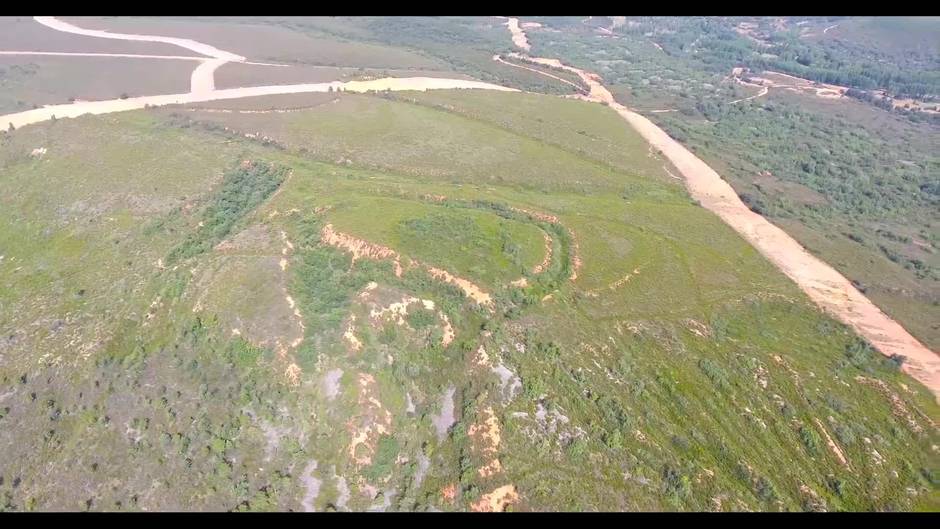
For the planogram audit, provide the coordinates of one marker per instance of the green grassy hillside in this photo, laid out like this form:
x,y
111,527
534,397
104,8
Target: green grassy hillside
x,y
196,319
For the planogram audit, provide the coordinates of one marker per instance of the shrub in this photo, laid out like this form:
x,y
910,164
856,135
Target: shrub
x,y
765,489
577,448
675,484
385,455
836,485
715,373
421,318
243,188
810,439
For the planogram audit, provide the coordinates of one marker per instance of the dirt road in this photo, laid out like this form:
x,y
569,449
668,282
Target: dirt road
x,y
202,82
499,59
763,92
198,47
72,110
823,284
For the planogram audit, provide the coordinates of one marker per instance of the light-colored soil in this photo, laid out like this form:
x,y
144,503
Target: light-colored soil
x,y
496,500
499,59
518,35
293,370
360,248
372,421
823,284
239,74
449,493
350,335
763,91
575,249
448,333
486,437
833,447
396,313
469,289
547,259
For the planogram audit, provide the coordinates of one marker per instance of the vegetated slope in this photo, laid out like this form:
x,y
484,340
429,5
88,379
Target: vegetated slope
x,y
392,132
851,182
656,361
912,38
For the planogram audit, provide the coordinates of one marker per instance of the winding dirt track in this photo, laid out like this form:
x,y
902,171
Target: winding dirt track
x,y
198,47
202,82
822,283
499,59
762,93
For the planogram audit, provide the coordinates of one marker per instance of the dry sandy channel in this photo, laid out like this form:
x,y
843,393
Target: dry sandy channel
x,y
822,283
198,47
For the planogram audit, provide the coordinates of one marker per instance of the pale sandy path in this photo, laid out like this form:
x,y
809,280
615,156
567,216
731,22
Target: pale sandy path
x,y
822,283
72,110
518,35
763,92
198,47
499,59
202,82
202,79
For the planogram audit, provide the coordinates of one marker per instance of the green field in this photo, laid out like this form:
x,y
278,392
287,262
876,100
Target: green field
x,y
149,358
